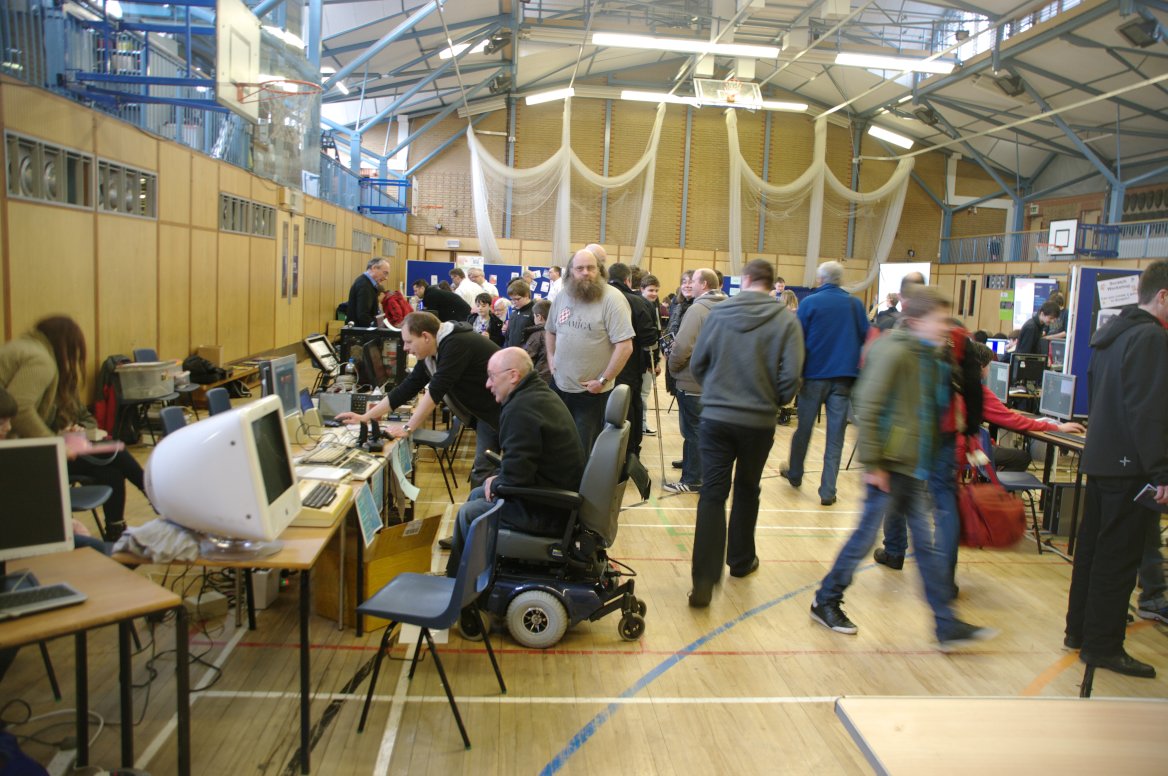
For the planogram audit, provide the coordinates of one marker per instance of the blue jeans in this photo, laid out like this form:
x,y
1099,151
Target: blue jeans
x,y
943,489
689,409
836,393
907,497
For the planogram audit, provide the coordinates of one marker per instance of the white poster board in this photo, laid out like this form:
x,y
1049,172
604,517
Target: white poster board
x,y
891,276
1029,295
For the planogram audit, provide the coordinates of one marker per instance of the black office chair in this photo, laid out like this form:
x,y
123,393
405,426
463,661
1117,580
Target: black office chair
x,y
173,418
218,400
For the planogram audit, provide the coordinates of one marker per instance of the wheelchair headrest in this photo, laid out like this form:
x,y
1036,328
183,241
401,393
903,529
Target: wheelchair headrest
x,y
617,409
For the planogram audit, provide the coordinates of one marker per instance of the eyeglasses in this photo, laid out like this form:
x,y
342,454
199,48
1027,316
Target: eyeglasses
x,y
495,375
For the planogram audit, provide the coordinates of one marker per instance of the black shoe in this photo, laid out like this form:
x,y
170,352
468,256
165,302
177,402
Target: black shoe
x,y
785,473
700,599
753,568
962,635
446,544
827,502
894,562
1073,642
1120,663
114,531
677,464
831,615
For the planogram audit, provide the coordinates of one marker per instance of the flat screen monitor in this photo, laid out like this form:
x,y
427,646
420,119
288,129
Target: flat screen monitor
x,y
998,346
1027,368
36,517
229,475
1058,395
1058,354
999,381
281,382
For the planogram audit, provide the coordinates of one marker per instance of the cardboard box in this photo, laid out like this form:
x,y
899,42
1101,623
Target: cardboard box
x,y
213,353
399,548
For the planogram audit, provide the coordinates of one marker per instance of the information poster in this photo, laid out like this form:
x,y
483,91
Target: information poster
x,y
368,515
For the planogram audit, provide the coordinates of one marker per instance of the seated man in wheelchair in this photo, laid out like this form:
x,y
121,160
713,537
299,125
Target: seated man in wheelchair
x,y
540,449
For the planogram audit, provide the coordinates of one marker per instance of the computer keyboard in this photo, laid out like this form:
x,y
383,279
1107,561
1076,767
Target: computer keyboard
x,y
37,599
326,453
320,496
1075,438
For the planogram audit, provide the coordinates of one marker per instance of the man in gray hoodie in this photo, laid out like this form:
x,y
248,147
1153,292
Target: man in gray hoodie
x,y
748,359
706,293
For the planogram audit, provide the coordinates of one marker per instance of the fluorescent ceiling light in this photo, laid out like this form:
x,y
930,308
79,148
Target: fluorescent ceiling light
x,y
891,137
904,99
797,107
880,62
342,88
655,97
550,96
684,45
453,51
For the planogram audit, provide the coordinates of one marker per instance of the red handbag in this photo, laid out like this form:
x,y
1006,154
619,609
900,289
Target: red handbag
x,y
990,517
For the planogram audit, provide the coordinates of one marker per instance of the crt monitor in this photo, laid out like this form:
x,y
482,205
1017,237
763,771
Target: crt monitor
x,y
280,380
998,346
1058,395
321,351
1027,368
229,475
373,371
999,381
1058,353
36,517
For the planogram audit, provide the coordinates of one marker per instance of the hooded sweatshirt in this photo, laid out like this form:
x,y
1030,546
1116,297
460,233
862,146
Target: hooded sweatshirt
x,y
457,373
1127,383
687,337
748,360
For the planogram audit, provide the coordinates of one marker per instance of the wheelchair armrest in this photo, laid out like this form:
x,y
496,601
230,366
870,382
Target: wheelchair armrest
x,y
554,497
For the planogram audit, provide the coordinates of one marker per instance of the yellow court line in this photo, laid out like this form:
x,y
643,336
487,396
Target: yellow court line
x,y
1063,663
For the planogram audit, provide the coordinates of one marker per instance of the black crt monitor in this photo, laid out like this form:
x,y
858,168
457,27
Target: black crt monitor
x,y
999,381
281,381
998,346
373,370
393,353
1058,354
1058,396
1027,369
36,517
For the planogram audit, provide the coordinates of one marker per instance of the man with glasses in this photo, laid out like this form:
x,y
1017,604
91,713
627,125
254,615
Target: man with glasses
x,y
363,309
539,448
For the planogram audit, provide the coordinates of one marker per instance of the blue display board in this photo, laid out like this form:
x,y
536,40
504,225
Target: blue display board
x,y
1086,306
428,270
730,287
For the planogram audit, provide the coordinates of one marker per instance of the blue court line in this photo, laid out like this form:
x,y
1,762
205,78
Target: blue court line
x,y
590,729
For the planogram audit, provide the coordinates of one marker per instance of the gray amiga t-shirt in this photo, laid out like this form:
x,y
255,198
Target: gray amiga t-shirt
x,y
585,335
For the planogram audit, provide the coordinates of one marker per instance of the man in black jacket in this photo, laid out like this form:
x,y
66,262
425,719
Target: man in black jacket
x,y
1030,340
452,363
645,336
363,308
541,449
1127,449
447,305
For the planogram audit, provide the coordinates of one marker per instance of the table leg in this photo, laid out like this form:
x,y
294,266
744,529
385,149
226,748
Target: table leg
x,y
1075,507
251,622
81,674
182,675
1047,469
126,683
358,594
238,574
341,575
305,699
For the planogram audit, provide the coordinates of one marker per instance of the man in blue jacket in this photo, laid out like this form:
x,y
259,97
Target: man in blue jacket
x,y
834,330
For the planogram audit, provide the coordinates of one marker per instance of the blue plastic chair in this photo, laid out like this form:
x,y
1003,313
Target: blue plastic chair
x,y
428,602
173,418
218,400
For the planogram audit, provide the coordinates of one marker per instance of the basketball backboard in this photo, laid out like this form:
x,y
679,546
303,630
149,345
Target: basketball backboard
x,y
1062,237
730,93
237,56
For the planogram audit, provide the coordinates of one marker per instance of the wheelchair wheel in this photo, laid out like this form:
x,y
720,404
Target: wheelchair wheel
x,y
537,619
640,607
631,627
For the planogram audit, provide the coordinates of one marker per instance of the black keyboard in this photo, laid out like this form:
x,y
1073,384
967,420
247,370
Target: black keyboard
x,y
320,496
36,599
1073,438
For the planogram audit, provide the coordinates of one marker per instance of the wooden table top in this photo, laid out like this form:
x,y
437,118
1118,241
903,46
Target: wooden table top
x,y
115,593
1065,736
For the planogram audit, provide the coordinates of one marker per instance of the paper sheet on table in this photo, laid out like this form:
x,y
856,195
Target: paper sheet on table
x,y
1118,292
401,471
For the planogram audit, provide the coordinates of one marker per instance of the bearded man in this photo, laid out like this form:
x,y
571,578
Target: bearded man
x,y
589,337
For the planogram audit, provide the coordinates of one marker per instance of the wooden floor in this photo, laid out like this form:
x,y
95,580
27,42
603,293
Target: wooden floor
x,y
745,686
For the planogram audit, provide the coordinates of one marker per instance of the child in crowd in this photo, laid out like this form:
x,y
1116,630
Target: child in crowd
x,y
533,340
484,320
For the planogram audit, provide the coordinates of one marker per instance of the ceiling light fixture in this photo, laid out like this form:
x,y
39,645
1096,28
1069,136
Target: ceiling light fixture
x,y
550,96
891,137
1140,32
655,97
452,51
683,45
881,62
342,88
674,99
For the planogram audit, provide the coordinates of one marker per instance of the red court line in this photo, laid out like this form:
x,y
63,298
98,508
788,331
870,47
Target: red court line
x,y
1020,562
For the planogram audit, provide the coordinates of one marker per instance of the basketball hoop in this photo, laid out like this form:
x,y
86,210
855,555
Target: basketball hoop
x,y
275,89
1042,251
730,90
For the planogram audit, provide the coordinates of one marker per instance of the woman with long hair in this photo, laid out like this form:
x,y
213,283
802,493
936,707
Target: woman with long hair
x,y
44,371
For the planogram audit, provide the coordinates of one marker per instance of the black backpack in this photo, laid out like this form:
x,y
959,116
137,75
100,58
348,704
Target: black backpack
x,y
203,371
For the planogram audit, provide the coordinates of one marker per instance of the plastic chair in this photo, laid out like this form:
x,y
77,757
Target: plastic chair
x,y
173,418
218,400
443,444
150,354
85,496
1026,484
429,602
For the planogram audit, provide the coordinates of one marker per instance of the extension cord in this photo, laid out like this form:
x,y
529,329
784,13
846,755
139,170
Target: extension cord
x,y
209,606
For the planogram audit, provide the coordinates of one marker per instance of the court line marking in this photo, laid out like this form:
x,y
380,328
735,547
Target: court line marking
x,y
1065,663
393,724
535,700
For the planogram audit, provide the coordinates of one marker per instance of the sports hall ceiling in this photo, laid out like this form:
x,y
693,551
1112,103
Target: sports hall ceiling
x,y
1014,60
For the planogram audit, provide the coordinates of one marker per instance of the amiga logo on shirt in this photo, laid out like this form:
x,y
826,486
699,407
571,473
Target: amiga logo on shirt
x,y
565,319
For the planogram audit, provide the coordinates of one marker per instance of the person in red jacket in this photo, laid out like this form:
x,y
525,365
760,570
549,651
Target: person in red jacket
x,y
997,414
396,308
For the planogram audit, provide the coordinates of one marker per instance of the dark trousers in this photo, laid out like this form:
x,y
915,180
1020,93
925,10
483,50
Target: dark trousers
x,y
115,473
689,419
721,445
1107,554
588,412
1011,459
836,395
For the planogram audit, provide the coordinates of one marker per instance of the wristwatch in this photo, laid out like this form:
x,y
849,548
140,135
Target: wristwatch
x,y
602,380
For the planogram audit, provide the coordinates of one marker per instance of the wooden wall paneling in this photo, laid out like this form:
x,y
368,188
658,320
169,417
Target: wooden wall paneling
x,y
232,284
204,288
326,272
40,114
174,291
281,294
668,271
234,180
122,142
263,292
311,321
296,306
174,184
127,284
204,192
